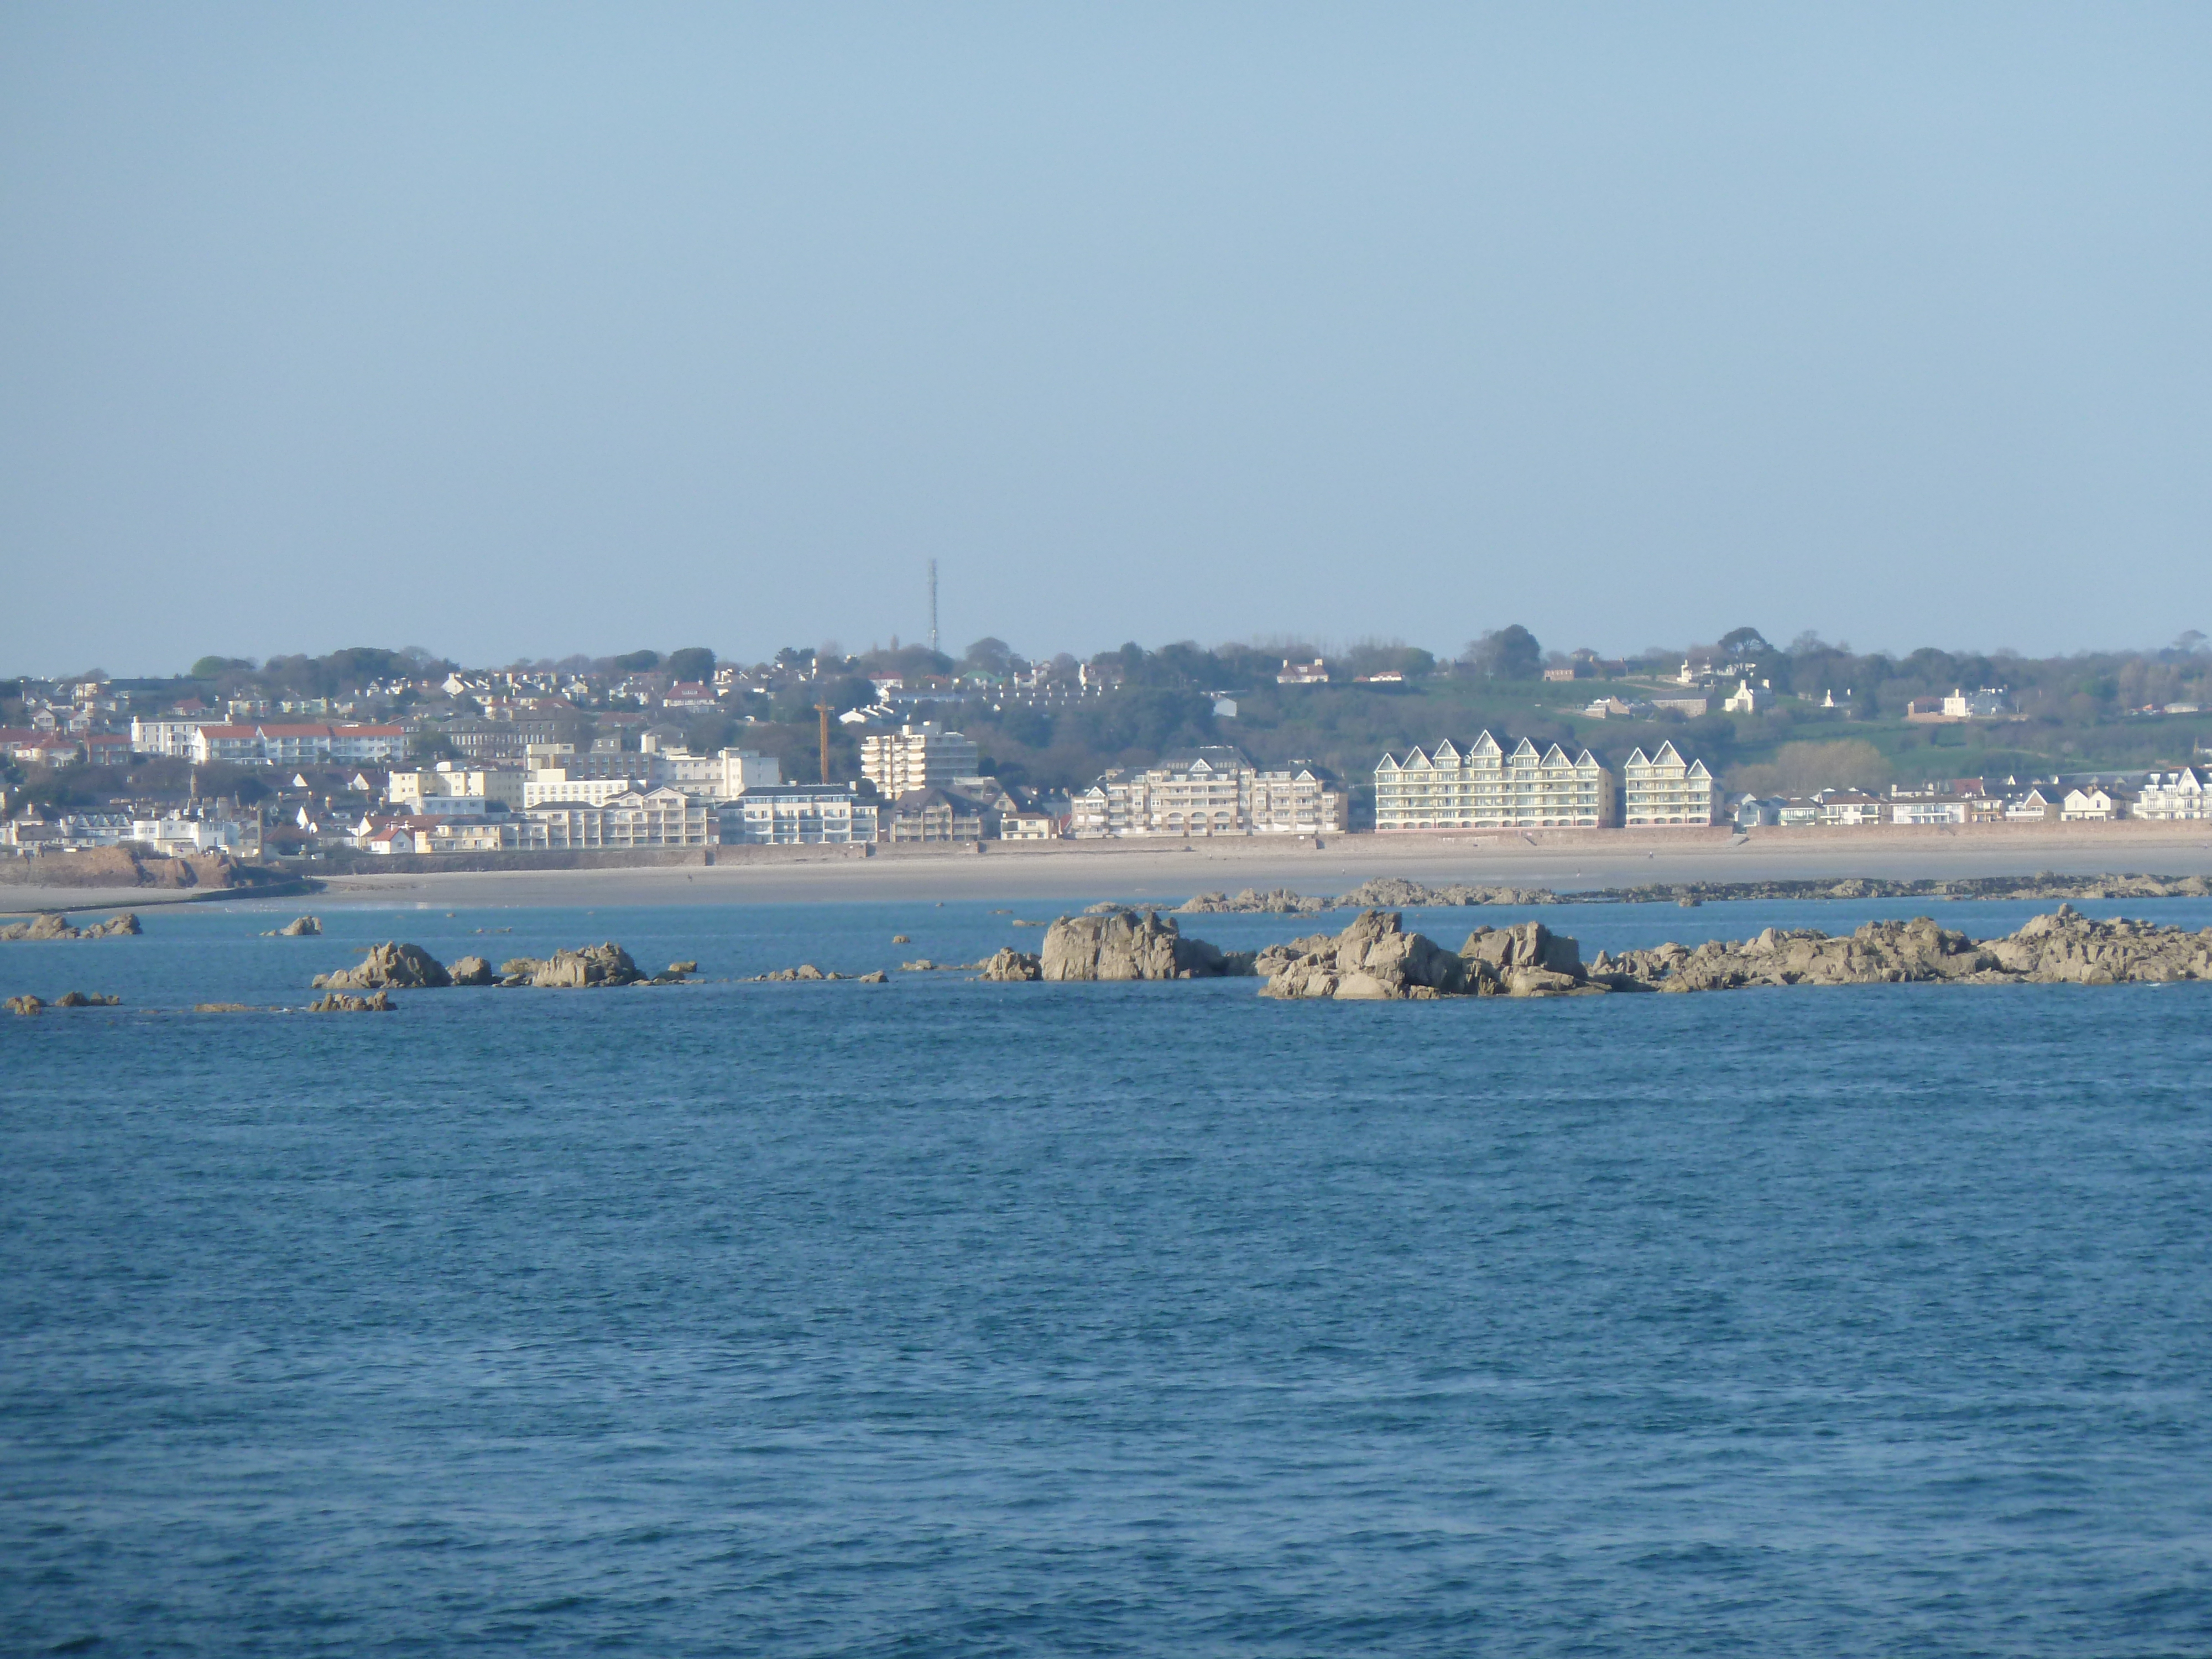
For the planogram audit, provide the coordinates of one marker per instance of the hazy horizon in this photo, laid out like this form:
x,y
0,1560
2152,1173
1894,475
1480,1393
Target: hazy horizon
x,y
521,333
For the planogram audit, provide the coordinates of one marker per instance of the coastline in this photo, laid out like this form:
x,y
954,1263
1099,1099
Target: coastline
x,y
1141,872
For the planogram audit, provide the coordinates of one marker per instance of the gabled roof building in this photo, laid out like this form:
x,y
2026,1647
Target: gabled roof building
x,y
1664,788
1482,786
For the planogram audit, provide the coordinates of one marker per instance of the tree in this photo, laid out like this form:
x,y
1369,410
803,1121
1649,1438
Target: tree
x,y
1741,642
637,662
988,655
693,662
1511,652
210,668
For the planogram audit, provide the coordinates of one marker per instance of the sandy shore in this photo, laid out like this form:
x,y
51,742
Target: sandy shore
x,y
1094,870
1097,870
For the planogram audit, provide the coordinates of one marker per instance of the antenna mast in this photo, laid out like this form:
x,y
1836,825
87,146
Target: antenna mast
x,y
932,605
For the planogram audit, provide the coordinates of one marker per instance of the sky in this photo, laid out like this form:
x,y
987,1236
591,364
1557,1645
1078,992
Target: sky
x,y
515,331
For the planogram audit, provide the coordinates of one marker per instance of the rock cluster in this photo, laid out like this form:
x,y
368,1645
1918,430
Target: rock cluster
x,y
388,967
337,1002
1012,967
2064,947
1276,901
1122,945
53,924
1375,959
587,969
299,927
805,970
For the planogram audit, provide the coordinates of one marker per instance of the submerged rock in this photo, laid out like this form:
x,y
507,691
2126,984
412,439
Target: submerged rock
x,y
1122,945
388,966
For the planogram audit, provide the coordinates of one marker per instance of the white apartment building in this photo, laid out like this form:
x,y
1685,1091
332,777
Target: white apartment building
x,y
1666,789
448,788
176,835
2094,803
658,817
1482,786
2170,797
1214,791
799,815
271,744
724,775
916,757
551,786
174,738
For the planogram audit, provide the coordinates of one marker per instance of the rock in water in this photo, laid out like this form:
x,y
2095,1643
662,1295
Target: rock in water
x,y
1374,959
1012,966
471,971
589,967
301,927
24,1005
879,977
389,967
1122,945
337,1002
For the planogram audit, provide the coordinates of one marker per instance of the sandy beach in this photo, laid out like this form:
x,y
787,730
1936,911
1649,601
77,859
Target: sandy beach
x,y
1099,870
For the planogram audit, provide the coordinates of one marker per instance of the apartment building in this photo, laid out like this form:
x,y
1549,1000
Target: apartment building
x,y
723,776
657,817
1663,788
268,744
916,756
448,788
932,815
1215,791
799,815
2170,797
552,786
1482,786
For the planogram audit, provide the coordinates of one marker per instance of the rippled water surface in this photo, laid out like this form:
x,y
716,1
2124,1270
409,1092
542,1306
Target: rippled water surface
x,y
941,1317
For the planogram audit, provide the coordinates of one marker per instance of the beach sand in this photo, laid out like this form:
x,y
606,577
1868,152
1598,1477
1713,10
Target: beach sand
x,y
1096,870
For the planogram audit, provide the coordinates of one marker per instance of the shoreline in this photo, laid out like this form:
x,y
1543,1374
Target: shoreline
x,y
1563,860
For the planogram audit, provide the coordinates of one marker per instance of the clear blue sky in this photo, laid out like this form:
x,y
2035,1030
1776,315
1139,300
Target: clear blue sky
x,y
532,329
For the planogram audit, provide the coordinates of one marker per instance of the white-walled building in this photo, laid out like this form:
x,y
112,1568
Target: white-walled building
x,y
1214,791
1482,786
449,788
724,775
916,757
1663,788
799,815
657,817
2169,797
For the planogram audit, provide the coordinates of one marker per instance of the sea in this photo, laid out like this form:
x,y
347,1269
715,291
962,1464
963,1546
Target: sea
x,y
939,1317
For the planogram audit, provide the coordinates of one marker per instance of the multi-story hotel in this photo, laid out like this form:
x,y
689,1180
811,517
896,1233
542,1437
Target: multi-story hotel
x,y
1664,788
1483,787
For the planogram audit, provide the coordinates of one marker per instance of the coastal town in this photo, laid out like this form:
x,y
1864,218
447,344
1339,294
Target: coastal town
x,y
377,755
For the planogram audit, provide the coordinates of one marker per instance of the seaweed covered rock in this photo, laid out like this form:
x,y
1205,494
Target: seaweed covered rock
x,y
388,966
1122,945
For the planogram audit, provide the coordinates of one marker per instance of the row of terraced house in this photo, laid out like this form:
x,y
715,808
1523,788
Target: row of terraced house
x,y
1483,786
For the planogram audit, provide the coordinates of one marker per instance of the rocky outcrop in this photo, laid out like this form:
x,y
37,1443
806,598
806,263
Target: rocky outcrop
x,y
1375,959
53,924
1276,901
879,977
337,1002
81,999
1122,945
1011,967
25,1004
472,970
1396,893
591,968
2064,947
805,970
301,927
388,967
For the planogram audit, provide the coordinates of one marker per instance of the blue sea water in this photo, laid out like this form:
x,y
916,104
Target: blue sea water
x,y
948,1318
